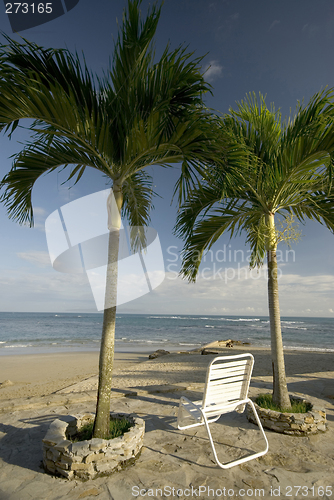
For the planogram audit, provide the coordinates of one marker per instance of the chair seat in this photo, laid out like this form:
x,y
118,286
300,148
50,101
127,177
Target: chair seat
x,y
214,409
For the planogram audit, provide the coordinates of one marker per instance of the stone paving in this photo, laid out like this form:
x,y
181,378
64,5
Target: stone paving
x,y
169,459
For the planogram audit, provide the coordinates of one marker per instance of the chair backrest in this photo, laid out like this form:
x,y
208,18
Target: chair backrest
x,y
227,379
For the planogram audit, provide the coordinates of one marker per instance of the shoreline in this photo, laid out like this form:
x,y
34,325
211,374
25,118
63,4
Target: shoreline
x,y
150,348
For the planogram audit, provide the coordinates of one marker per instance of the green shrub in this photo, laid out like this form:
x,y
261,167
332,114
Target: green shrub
x,y
266,401
118,426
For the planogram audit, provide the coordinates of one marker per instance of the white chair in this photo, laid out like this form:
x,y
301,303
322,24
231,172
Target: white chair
x,y
226,390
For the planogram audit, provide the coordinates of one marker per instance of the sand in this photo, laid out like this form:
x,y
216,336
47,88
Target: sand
x,y
41,374
170,458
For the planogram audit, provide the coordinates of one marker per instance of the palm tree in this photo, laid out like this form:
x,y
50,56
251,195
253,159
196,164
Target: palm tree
x,y
270,168
141,113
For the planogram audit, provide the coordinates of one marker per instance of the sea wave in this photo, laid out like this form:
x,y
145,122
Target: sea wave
x,y
245,319
18,345
181,343
309,349
53,331
292,322
295,327
166,317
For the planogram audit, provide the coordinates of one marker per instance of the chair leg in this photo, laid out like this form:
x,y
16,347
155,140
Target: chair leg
x,y
240,460
183,410
260,427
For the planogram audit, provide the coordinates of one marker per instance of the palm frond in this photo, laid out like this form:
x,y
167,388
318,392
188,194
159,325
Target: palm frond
x,y
39,158
141,113
267,167
137,194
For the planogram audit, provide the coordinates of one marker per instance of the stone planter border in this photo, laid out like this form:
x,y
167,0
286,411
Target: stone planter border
x,y
298,424
95,457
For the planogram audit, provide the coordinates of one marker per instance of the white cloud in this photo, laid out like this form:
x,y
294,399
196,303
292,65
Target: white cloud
x,y
21,290
273,24
40,212
239,294
235,16
311,30
214,70
41,259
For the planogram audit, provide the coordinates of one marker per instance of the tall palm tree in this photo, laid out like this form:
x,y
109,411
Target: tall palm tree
x,y
140,113
270,168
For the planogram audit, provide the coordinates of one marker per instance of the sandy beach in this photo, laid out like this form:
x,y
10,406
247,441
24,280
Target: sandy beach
x,y
41,374
48,386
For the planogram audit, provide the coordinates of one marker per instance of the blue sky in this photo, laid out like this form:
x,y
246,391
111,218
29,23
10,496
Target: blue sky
x,y
283,49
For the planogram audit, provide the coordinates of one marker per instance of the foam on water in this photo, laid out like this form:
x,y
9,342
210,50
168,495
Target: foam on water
x,y
60,332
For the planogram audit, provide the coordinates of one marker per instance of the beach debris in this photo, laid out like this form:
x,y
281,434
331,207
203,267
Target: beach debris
x,y
6,383
218,344
270,472
157,353
223,343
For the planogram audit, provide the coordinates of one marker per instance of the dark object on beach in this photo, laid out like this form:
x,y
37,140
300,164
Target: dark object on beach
x,y
159,352
207,349
222,343
6,383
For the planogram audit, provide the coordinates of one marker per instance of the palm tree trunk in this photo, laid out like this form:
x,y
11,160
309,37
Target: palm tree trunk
x,y
102,417
280,390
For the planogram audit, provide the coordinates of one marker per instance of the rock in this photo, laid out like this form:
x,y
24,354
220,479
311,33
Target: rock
x,y
6,383
159,352
90,458
298,424
92,492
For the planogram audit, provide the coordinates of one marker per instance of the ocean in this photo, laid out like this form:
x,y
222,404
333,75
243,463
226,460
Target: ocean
x,y
31,333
